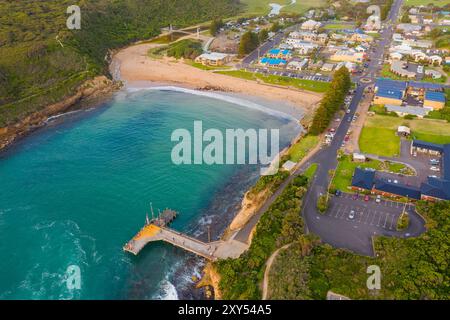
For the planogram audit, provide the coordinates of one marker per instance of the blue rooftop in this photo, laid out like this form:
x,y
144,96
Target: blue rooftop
x,y
278,51
425,85
390,84
363,179
435,96
272,61
390,93
397,189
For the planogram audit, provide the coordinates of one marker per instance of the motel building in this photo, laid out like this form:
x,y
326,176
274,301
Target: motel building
x,y
213,59
279,54
435,100
272,62
433,188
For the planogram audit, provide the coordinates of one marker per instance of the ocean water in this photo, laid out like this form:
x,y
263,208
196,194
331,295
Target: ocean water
x,y
76,191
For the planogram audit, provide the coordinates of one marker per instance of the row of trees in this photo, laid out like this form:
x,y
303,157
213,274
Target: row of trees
x,y
251,40
333,99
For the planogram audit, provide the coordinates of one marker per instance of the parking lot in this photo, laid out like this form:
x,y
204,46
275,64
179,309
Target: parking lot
x,y
370,215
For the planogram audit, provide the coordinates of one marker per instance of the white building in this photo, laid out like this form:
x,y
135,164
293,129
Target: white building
x,y
310,25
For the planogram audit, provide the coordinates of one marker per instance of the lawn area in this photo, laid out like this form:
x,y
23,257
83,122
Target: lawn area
x,y
299,150
203,67
311,85
261,7
379,141
425,129
339,26
309,173
439,3
387,73
346,167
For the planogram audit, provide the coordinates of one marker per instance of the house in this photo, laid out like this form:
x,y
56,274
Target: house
x,y
273,62
348,55
310,25
298,65
395,56
327,67
399,68
433,74
351,67
361,37
435,100
402,111
361,48
409,28
435,188
279,54
213,59
302,47
435,60
386,96
397,37
363,179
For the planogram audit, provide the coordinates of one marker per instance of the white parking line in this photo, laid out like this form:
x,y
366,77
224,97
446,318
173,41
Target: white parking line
x,y
392,222
379,219
385,220
367,218
337,213
373,219
361,216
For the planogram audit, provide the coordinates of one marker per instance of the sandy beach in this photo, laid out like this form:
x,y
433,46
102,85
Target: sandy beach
x,y
133,66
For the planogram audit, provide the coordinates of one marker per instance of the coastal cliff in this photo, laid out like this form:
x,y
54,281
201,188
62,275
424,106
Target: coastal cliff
x,y
87,93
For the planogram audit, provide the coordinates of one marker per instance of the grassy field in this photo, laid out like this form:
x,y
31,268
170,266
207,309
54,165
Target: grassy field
x,y
439,3
346,167
203,67
379,141
261,7
311,85
379,133
309,173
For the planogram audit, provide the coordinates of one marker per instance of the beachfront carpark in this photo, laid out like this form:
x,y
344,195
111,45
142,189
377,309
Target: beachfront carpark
x,y
369,216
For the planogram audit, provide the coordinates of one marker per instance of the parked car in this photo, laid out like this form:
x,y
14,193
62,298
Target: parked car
x,y
366,198
348,111
355,196
434,161
378,199
351,215
435,169
338,193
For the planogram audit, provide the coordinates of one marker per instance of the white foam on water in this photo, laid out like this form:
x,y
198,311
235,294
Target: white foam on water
x,y
218,96
167,291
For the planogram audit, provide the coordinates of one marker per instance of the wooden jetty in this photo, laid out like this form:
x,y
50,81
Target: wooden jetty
x,y
157,229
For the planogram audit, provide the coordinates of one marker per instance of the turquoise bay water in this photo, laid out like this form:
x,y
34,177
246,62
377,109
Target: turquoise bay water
x,y
75,192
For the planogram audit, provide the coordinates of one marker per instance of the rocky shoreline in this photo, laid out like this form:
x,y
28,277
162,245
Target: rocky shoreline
x,y
88,94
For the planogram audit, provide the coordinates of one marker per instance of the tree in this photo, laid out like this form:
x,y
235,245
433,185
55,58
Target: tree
x,y
249,42
405,18
216,24
263,35
275,27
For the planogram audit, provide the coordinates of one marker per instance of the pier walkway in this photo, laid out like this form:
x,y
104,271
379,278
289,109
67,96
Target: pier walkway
x,y
157,230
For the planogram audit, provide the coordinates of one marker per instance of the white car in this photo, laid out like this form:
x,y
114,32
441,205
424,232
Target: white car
x,y
435,169
378,199
351,215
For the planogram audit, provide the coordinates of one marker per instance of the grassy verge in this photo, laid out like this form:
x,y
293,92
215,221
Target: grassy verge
x,y
311,171
311,85
299,150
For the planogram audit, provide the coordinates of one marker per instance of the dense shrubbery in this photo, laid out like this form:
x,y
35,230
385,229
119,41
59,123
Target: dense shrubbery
x,y
413,268
332,101
279,225
188,49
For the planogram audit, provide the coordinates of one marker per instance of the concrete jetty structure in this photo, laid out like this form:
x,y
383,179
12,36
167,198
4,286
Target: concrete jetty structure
x,y
157,230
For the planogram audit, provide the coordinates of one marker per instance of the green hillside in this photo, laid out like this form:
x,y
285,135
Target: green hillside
x,y
36,70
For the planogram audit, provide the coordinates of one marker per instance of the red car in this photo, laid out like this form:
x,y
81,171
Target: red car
x,y
366,198
355,196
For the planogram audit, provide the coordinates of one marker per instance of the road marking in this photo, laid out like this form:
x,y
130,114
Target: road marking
x,y
337,212
379,219
392,222
385,220
373,219
367,218
361,216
